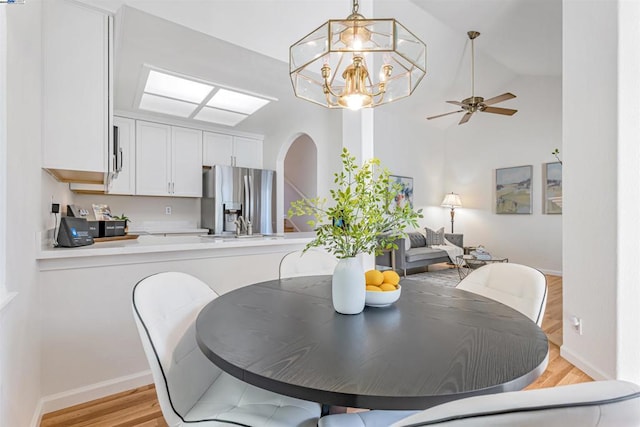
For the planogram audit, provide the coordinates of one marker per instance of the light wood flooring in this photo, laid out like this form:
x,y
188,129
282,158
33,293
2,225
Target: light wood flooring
x,y
139,407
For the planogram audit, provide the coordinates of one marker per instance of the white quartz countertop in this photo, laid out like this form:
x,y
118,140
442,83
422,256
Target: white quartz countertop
x,y
149,244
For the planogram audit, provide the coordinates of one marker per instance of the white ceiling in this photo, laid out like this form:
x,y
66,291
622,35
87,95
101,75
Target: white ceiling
x,y
519,37
523,35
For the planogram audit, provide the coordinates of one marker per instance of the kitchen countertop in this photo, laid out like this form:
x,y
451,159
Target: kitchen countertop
x,y
155,243
158,248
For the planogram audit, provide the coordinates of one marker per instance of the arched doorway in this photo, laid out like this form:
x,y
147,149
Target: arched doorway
x,y
300,178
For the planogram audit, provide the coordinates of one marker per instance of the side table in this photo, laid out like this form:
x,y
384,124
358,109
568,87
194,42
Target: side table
x,y
467,263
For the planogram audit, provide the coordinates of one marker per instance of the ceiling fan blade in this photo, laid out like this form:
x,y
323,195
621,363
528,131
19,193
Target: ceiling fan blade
x,y
445,114
499,98
457,103
465,118
496,110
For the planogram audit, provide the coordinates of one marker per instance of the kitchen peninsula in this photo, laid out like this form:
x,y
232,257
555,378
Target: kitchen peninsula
x,y
90,344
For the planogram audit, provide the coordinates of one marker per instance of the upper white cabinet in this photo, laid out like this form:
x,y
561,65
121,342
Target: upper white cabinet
x,y
168,160
124,156
76,111
223,149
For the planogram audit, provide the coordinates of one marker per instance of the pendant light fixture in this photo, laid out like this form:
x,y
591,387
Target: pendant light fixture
x,y
330,66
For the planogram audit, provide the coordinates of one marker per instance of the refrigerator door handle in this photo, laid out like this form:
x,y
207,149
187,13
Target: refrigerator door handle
x,y
247,199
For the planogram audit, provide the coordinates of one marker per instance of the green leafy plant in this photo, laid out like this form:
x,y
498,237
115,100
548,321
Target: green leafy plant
x,y
556,152
364,217
122,218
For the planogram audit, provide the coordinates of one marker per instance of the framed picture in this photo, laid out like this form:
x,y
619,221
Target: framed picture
x,y
513,190
552,188
405,194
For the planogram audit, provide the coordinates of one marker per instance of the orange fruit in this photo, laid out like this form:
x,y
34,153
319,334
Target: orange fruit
x,y
373,277
373,288
390,276
388,287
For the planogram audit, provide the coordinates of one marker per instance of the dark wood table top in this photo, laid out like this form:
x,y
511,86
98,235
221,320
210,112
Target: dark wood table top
x,y
435,344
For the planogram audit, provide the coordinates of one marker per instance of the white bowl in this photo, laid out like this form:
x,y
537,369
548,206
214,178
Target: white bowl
x,y
382,299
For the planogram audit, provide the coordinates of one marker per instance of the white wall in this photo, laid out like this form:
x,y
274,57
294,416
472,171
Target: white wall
x,y
602,161
488,141
20,332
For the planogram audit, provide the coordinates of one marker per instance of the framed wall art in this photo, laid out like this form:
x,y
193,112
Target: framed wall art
x,y
552,188
513,190
405,195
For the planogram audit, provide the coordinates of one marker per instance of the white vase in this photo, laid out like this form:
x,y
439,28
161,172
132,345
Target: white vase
x,y
347,286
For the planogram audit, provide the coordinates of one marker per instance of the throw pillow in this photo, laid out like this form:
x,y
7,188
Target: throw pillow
x,y
417,240
435,237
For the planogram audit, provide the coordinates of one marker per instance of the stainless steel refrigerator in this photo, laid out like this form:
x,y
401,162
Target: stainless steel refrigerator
x,y
231,192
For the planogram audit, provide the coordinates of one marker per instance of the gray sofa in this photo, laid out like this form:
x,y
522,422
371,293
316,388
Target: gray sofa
x,y
415,253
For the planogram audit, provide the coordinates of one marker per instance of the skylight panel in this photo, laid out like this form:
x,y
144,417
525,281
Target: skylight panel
x,y
236,101
176,87
160,104
220,116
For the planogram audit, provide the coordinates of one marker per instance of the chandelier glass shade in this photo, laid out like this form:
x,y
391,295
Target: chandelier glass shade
x,y
333,65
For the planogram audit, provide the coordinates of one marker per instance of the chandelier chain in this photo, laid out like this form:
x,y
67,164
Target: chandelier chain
x,y
356,6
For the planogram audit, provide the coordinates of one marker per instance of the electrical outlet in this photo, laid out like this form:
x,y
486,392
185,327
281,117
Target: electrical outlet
x,y
167,210
576,324
55,208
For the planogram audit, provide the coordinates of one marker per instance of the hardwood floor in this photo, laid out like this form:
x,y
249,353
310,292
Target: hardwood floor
x,y
139,407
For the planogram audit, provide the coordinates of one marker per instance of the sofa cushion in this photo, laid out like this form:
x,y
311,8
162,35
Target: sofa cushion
x,y
424,253
434,237
417,240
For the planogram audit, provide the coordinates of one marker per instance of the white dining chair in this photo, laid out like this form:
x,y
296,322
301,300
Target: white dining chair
x,y
310,263
520,287
592,404
190,388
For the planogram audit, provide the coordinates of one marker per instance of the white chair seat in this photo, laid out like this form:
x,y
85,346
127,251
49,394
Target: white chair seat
x,y
233,400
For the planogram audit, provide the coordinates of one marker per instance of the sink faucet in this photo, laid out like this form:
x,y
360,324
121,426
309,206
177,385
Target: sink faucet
x,y
241,225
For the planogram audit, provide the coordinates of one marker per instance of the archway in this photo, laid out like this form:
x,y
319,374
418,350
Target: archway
x,y
300,176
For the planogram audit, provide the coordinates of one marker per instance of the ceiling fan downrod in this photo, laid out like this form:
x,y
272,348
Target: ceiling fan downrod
x,y
472,35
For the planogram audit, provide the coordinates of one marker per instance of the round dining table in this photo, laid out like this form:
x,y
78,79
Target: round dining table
x,y
435,344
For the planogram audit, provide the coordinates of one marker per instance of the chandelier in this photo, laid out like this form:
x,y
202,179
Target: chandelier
x,y
330,66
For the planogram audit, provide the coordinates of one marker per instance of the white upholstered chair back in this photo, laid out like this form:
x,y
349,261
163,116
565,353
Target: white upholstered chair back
x,y
518,286
310,263
165,308
593,404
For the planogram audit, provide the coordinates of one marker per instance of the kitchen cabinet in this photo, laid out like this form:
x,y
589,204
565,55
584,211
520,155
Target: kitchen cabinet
x,y
168,160
124,156
76,123
231,150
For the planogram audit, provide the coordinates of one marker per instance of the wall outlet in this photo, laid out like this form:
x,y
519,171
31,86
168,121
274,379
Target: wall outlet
x,y
55,208
167,210
576,324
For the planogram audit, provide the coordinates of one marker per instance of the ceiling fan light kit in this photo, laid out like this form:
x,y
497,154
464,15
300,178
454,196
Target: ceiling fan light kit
x,y
331,65
474,103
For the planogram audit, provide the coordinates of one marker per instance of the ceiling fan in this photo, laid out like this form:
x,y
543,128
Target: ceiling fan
x,y
477,103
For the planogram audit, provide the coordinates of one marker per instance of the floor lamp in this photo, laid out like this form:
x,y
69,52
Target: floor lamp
x,y
452,201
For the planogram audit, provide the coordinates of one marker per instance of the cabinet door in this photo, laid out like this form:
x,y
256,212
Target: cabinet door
x,y
75,91
247,152
217,149
125,183
153,159
186,162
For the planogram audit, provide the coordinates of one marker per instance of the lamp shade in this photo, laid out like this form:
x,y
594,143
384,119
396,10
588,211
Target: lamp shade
x,y
451,200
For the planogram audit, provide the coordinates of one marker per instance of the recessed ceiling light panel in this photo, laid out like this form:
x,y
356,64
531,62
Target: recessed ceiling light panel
x,y
160,104
236,101
223,117
175,87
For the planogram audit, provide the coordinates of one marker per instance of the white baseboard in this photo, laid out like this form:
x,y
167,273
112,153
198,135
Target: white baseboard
x,y
584,366
87,393
551,272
